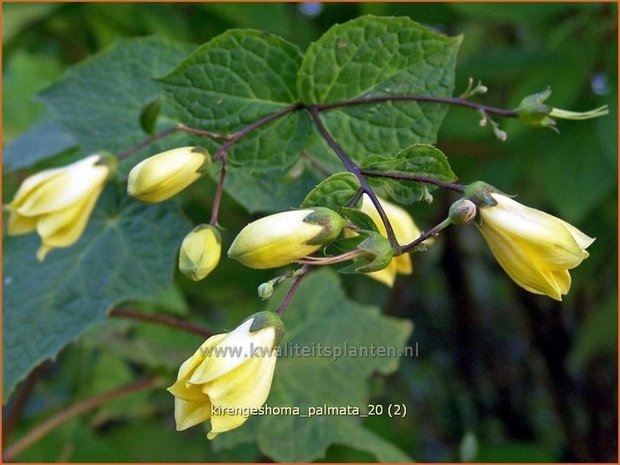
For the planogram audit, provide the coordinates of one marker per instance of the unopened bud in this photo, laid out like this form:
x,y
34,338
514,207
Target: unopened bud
x,y
283,238
163,175
200,252
265,290
463,211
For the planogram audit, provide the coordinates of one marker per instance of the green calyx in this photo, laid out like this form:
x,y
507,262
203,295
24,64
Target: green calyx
x,y
267,319
208,161
109,160
533,111
331,222
479,193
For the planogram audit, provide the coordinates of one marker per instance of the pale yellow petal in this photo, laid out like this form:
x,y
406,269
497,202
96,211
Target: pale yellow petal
x,y
65,189
246,387
232,351
385,276
19,224
223,423
43,251
188,414
403,264
30,184
562,280
63,228
518,265
583,240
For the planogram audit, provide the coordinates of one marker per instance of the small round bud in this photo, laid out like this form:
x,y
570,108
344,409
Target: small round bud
x,y
463,211
265,290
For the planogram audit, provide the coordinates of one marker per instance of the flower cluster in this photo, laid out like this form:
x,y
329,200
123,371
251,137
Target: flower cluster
x,y
231,373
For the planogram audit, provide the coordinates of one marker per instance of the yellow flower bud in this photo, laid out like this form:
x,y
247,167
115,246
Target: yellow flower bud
x,y
200,252
228,376
57,203
279,239
535,249
405,230
163,175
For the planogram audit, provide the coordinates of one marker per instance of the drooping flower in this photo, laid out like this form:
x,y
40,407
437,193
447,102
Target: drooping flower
x,y
280,239
535,248
57,203
166,174
228,376
405,231
200,252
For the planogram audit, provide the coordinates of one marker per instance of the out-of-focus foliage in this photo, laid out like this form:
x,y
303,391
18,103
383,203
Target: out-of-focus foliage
x,y
499,375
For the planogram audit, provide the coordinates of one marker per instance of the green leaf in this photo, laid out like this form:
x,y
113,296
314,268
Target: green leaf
x,y
355,435
322,315
149,114
376,56
125,253
99,101
334,192
234,80
597,335
267,192
418,159
24,74
42,141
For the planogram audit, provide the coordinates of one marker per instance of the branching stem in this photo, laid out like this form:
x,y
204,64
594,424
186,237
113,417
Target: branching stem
x,y
353,168
293,289
420,98
161,320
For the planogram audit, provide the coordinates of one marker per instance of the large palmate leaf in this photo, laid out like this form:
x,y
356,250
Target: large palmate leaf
x,y
124,254
234,80
376,56
99,100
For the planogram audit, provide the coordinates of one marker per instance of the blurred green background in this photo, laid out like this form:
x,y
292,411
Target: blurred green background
x,y
501,375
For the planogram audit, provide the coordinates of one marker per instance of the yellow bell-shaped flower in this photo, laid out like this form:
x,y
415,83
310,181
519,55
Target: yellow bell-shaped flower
x,y
57,203
405,231
200,252
163,175
228,376
279,239
535,249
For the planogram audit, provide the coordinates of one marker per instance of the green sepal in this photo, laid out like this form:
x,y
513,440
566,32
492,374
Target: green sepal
x,y
149,114
108,159
532,110
267,319
378,254
331,222
204,168
359,219
480,192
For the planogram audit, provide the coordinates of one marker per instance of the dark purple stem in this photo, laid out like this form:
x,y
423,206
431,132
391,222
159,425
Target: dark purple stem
x,y
419,98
